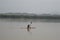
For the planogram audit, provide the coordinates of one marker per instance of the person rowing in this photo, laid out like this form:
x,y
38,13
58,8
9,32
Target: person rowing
x,y
28,26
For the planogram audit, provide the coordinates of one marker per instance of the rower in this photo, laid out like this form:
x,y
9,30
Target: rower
x,y
28,26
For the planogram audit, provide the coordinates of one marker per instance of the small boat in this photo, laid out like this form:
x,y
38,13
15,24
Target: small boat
x,y
29,28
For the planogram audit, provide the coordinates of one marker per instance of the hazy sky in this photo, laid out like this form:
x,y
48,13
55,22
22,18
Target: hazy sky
x,y
30,6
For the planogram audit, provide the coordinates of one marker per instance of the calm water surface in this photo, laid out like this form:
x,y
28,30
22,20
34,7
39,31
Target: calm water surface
x,y
11,30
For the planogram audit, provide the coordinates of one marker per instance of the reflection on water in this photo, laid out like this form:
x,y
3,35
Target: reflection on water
x,y
45,30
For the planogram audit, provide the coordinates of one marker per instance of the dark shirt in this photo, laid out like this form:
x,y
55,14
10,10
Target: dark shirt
x,y
28,26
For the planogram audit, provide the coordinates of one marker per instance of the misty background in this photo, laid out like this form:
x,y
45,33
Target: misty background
x,y
15,15
30,6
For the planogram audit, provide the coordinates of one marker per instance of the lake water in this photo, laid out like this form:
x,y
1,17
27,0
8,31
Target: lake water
x,y
10,29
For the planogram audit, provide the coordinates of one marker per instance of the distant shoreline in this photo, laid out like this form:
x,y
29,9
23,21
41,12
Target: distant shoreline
x,y
29,16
